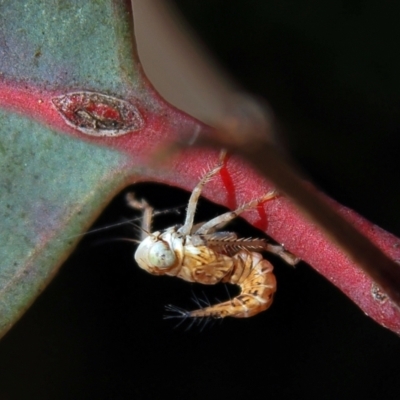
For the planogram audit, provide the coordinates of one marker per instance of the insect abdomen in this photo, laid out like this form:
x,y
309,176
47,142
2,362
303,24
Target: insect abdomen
x,y
257,282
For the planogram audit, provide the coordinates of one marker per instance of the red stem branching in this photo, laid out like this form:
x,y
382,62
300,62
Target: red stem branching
x,y
281,219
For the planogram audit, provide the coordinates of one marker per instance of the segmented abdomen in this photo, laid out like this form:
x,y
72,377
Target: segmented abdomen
x,y
254,276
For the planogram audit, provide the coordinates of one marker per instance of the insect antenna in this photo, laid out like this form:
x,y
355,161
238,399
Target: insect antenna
x,y
138,229
129,221
104,228
102,241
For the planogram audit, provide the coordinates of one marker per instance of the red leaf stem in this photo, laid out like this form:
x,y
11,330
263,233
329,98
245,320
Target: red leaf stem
x,y
279,218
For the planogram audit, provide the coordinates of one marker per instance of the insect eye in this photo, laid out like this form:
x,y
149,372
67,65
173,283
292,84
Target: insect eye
x,y
161,255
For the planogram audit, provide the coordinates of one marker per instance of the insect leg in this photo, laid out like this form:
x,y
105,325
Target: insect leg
x,y
147,213
280,251
194,197
220,221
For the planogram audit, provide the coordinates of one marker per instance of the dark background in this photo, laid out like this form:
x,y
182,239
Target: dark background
x,y
330,70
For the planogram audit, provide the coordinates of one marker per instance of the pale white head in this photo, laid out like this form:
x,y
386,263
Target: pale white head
x,y
156,253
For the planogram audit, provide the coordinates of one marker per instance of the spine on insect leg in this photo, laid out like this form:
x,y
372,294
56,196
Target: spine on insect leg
x,y
254,276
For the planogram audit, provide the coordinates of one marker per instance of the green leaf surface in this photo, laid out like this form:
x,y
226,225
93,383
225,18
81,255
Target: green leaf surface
x,y
53,185
67,44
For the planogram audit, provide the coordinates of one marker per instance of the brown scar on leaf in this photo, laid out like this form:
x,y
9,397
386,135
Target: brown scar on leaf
x,y
378,294
97,114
